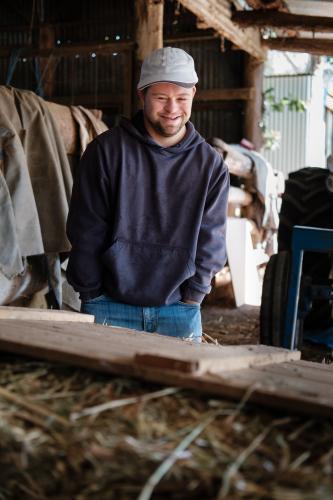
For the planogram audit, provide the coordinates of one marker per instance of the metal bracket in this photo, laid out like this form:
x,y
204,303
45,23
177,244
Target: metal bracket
x,y
303,239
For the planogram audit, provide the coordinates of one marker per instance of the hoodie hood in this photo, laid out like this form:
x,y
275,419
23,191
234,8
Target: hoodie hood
x,y
136,128
147,223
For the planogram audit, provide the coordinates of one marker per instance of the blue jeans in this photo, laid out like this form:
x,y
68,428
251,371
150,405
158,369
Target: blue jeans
x,y
177,320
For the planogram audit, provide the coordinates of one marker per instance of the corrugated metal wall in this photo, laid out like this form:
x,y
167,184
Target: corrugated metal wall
x,y
94,74
215,70
96,21
89,79
292,125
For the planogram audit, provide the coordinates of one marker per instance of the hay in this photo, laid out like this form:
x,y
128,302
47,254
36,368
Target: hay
x,y
70,433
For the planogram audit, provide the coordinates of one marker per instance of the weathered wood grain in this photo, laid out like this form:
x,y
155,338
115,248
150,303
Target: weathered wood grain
x,y
31,314
273,376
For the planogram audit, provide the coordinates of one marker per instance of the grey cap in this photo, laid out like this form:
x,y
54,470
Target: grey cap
x,y
168,65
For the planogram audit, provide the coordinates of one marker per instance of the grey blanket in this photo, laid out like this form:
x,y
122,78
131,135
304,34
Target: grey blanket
x,y
36,180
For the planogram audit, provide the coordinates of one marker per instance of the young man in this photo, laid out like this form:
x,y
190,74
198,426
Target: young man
x,y
148,211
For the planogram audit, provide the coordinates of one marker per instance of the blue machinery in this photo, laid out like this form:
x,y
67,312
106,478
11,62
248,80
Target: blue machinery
x,y
299,301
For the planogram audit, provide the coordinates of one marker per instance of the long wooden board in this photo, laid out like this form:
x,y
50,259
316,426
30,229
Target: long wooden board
x,y
31,314
274,376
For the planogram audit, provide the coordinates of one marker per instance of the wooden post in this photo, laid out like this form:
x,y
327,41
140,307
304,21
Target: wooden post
x,y
128,84
149,31
47,64
149,34
254,71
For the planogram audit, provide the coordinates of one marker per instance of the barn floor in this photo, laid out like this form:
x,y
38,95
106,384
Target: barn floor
x,y
155,442
241,326
231,325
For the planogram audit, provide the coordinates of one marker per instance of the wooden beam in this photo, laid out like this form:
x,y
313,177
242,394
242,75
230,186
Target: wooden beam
x,y
149,26
242,94
266,4
148,36
190,37
253,77
89,100
234,106
309,45
63,51
216,14
273,19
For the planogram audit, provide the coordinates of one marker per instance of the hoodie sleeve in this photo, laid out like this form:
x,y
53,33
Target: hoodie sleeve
x,y
88,223
211,248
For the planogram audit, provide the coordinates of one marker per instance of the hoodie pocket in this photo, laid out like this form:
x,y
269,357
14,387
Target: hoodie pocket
x,y
146,274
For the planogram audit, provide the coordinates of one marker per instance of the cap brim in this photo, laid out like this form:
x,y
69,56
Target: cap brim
x,y
179,84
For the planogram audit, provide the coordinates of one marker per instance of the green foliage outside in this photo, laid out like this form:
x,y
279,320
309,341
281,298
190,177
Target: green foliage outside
x,y
270,103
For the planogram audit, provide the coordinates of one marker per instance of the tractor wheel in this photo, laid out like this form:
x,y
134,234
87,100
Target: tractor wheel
x,y
274,299
307,202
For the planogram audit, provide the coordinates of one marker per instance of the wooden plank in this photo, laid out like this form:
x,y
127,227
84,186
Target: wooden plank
x,y
276,380
71,50
242,94
316,46
318,366
216,14
274,19
273,396
112,343
26,313
306,372
208,358
113,350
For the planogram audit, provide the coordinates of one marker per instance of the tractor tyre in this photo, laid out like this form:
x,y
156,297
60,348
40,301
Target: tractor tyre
x,y
308,202
274,300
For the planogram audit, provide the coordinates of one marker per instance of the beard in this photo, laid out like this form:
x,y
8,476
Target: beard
x,y
166,130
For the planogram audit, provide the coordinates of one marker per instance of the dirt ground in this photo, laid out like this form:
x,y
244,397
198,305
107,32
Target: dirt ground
x,y
231,325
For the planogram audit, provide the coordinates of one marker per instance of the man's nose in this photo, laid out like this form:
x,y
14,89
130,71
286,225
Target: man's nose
x,y
171,105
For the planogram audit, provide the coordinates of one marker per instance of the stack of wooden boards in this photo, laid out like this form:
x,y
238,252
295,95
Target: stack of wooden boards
x,y
271,376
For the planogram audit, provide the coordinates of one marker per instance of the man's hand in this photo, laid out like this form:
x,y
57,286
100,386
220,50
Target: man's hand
x,y
191,302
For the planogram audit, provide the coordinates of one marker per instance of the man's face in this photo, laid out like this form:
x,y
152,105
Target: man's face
x,y
167,107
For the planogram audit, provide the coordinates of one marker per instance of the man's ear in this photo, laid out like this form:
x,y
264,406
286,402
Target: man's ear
x,y
194,89
141,97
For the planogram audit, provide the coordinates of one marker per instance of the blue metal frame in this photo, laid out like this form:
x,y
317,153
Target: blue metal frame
x,y
304,239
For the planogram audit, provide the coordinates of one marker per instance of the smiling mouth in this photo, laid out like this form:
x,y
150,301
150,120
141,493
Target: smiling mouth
x,y
169,118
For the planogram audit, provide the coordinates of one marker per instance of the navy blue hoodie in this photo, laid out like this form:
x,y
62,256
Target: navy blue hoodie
x,y
147,223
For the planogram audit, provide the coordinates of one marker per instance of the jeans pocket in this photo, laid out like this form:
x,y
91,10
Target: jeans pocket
x,y
95,299
186,304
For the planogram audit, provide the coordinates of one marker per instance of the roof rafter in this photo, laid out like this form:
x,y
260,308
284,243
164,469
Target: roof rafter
x,y
216,14
310,45
265,18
